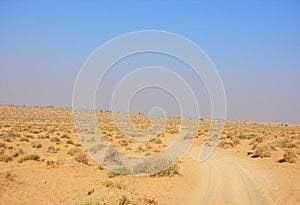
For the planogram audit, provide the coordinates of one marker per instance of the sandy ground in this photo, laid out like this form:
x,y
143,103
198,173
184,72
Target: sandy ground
x,y
232,175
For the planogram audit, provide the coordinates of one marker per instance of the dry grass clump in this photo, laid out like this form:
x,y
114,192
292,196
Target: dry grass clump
x,y
124,201
158,141
34,157
65,136
9,176
54,164
170,171
156,167
55,139
247,136
112,156
43,137
107,183
286,143
24,139
81,157
262,151
5,158
257,140
52,149
289,155
36,145
123,143
73,151
78,154
16,153
70,142
235,140
118,171
226,144
2,145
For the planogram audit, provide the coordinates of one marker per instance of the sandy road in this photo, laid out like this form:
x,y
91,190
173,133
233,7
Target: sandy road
x,y
228,183
225,179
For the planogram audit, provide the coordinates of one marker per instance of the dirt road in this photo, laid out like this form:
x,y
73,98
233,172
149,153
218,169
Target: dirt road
x,y
227,179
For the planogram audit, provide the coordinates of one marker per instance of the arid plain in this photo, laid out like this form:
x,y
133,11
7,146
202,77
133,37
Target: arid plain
x,y
43,162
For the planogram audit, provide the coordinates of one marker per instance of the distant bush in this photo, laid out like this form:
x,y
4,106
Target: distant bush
x,y
2,145
235,140
34,157
36,145
55,139
5,158
247,136
69,142
66,136
24,139
73,151
51,149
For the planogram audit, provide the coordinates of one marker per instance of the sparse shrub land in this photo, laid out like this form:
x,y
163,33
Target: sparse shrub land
x,y
40,149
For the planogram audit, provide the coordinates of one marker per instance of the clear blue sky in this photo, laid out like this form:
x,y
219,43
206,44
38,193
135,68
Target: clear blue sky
x,y
255,46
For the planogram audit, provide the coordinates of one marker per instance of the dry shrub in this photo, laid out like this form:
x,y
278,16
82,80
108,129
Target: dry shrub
x,y
123,143
124,201
41,137
69,142
81,157
272,146
262,151
226,144
55,139
16,153
289,155
5,158
247,136
2,145
34,157
7,139
54,164
118,171
9,176
155,166
36,145
258,139
235,140
254,145
170,171
78,154
66,136
52,149
74,150
24,139
107,183
158,141
112,156
286,143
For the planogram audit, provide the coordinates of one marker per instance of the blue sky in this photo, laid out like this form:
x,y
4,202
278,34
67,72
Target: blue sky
x,y
255,46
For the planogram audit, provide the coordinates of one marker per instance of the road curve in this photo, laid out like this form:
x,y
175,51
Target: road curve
x,y
226,180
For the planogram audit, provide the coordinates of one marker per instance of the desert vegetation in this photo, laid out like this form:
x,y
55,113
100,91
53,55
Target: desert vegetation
x,y
39,145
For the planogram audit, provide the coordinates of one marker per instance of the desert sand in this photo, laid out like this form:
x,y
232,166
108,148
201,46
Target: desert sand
x,y
43,162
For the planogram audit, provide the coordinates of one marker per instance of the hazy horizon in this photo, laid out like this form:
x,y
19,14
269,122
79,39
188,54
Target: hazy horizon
x,y
254,45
